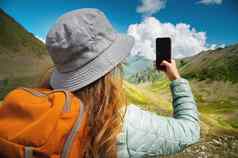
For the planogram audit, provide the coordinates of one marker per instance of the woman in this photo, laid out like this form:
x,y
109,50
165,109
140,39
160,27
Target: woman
x,y
88,55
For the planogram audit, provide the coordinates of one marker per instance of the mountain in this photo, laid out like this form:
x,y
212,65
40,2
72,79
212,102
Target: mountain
x,y
23,58
15,39
135,64
218,64
149,74
139,69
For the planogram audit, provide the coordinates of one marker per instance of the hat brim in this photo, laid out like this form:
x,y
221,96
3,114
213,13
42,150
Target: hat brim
x,y
96,68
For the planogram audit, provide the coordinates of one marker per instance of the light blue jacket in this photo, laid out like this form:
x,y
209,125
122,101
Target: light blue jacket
x,y
146,134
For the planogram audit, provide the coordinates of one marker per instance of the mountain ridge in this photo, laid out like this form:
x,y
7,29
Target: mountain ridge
x,y
16,39
23,57
218,64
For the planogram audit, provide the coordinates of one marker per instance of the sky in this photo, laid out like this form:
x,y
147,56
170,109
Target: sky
x,y
193,25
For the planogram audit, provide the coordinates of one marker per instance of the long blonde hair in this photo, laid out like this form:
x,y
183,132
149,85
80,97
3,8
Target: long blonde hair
x,y
104,99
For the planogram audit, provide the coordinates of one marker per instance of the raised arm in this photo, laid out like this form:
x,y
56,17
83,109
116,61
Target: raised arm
x,y
148,134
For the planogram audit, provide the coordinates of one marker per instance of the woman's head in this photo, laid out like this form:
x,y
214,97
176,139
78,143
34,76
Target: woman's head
x,y
84,46
88,52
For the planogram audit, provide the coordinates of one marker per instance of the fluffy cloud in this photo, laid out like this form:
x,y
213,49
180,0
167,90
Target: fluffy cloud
x,y
209,2
149,7
40,38
215,46
186,41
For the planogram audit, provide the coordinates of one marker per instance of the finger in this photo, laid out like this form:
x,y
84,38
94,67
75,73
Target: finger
x,y
172,61
165,63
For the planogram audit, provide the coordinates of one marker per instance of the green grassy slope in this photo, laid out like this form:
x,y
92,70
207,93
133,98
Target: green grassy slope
x,y
218,109
218,102
219,64
23,58
144,96
15,39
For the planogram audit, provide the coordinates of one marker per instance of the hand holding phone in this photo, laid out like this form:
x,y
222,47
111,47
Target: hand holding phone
x,y
163,51
171,70
163,58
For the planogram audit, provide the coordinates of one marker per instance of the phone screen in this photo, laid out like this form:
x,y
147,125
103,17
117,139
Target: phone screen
x,y
163,51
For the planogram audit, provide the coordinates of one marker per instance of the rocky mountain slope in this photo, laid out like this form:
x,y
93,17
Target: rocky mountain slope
x,y
23,58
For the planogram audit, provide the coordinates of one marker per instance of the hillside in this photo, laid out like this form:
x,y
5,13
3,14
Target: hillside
x,y
23,58
16,40
218,64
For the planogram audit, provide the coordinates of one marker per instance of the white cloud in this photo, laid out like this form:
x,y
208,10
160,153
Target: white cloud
x,y
186,41
215,46
149,7
40,38
209,2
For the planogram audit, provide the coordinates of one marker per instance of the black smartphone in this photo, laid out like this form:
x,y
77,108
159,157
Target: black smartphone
x,y
163,51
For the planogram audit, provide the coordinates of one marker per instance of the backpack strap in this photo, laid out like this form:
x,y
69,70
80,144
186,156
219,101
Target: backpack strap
x,y
67,103
28,152
69,141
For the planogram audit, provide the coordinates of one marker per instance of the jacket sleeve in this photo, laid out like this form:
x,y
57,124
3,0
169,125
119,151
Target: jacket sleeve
x,y
148,134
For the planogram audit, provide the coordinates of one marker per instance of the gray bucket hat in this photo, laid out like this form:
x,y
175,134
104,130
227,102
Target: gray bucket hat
x,y
84,46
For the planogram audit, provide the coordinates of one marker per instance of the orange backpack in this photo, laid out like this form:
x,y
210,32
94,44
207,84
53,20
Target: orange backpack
x,y
42,123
